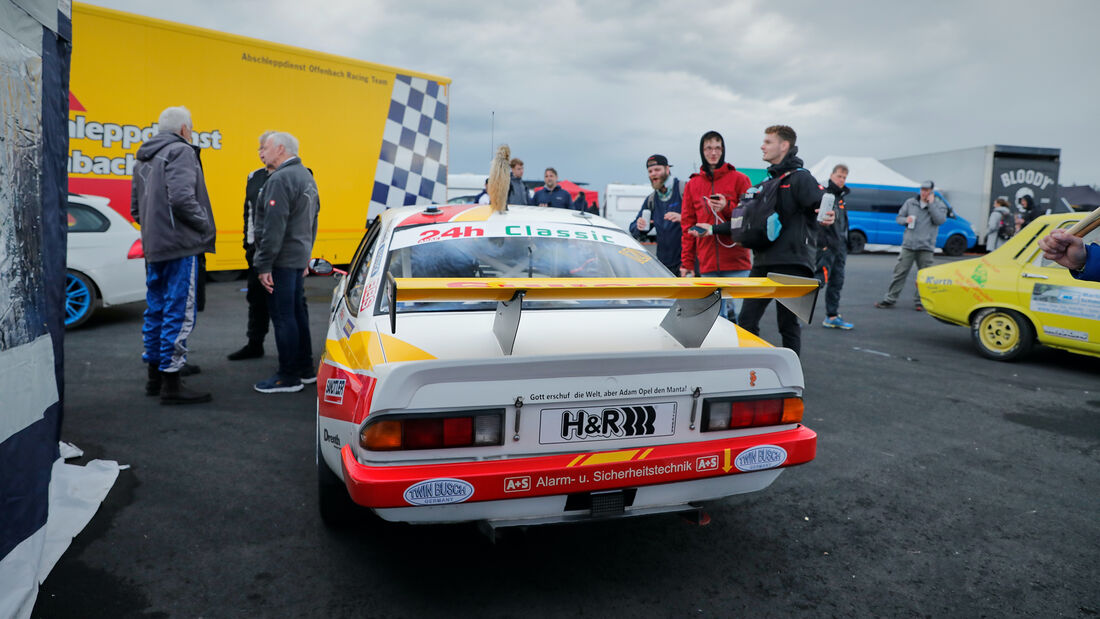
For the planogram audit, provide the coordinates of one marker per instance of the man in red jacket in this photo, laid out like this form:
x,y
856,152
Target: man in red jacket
x,y
709,196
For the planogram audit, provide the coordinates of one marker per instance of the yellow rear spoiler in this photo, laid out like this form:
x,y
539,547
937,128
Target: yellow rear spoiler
x,y
689,320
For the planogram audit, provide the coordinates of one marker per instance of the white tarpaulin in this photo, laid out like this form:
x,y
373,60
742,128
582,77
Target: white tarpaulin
x,y
862,171
76,492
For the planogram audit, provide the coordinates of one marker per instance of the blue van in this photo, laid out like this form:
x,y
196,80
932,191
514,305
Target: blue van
x,y
872,212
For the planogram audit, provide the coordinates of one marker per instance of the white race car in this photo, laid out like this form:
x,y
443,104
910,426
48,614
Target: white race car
x,y
105,260
538,366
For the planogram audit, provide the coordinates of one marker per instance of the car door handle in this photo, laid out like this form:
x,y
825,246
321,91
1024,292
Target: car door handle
x,y
1035,276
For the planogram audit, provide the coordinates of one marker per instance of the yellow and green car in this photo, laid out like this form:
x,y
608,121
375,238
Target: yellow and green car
x,y
1012,298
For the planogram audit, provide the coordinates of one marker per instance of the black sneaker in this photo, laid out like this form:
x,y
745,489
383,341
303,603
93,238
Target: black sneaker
x,y
884,304
249,351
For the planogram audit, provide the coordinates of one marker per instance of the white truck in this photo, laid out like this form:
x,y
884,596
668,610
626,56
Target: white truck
x,y
622,202
972,178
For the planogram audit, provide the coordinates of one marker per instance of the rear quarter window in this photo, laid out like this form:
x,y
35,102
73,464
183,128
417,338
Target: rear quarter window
x,y
83,218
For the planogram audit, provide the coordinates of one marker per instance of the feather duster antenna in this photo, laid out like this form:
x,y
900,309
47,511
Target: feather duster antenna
x,y
500,178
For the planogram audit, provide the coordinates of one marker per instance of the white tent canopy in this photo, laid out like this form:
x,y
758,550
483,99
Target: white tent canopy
x,y
862,171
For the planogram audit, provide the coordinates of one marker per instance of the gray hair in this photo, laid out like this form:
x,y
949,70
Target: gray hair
x,y
264,136
172,118
284,139
841,166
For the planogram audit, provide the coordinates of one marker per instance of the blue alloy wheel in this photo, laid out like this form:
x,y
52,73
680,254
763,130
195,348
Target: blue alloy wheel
x,y
79,299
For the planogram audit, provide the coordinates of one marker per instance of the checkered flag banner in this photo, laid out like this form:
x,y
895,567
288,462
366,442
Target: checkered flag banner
x,y
412,166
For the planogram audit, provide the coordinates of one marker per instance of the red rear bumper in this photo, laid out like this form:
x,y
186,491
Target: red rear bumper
x,y
386,486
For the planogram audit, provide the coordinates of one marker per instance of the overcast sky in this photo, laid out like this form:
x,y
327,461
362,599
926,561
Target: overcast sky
x,y
593,88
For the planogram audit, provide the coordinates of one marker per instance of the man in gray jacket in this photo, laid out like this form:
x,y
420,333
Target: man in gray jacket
x,y
921,217
286,227
517,191
168,198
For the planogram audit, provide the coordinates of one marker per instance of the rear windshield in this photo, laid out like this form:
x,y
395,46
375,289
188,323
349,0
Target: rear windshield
x,y
496,249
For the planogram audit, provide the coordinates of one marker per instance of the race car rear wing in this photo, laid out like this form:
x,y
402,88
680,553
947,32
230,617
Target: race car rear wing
x,y
689,320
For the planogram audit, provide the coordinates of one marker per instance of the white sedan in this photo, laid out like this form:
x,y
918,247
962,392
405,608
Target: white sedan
x,y
105,261
538,366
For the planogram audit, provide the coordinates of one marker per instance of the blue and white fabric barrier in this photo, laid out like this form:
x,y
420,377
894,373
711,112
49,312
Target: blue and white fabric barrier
x,y
35,46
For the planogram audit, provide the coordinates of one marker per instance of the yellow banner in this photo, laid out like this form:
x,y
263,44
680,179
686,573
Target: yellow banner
x,y
126,69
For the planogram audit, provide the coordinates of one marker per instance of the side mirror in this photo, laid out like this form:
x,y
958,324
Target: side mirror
x,y
320,266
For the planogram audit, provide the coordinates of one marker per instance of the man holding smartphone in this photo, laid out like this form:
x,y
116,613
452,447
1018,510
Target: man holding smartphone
x,y
709,196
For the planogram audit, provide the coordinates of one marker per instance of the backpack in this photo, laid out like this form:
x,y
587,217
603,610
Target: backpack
x,y
755,222
1007,228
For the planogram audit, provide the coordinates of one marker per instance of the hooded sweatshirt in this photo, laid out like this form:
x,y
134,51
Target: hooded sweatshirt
x,y
714,252
168,198
799,197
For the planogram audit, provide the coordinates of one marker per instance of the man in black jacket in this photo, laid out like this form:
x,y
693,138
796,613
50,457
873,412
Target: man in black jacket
x,y
257,298
832,250
793,252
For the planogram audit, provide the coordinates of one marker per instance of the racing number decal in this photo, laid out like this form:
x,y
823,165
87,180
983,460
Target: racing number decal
x,y
456,232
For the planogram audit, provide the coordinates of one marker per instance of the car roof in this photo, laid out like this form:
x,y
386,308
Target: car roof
x,y
418,215
97,201
1060,217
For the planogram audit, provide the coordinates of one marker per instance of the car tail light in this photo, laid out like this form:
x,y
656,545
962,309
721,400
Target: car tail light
x,y
730,414
136,251
467,429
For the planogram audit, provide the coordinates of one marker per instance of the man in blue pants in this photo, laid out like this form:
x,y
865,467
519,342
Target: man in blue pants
x,y
286,227
168,198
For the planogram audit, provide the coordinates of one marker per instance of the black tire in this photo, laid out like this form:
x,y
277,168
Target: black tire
x,y
337,508
1001,334
225,276
81,299
857,242
955,245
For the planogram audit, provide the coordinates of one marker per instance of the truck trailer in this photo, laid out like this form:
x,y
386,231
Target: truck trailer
x,y
972,178
374,136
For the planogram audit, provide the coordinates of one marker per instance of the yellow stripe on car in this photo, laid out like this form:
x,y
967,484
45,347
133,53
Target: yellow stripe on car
x,y
478,213
364,350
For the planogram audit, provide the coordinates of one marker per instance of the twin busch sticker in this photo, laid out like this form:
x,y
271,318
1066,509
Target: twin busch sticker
x,y
760,457
334,390
439,492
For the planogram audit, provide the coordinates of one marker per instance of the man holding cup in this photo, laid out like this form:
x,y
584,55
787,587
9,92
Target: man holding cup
x,y
921,216
659,217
